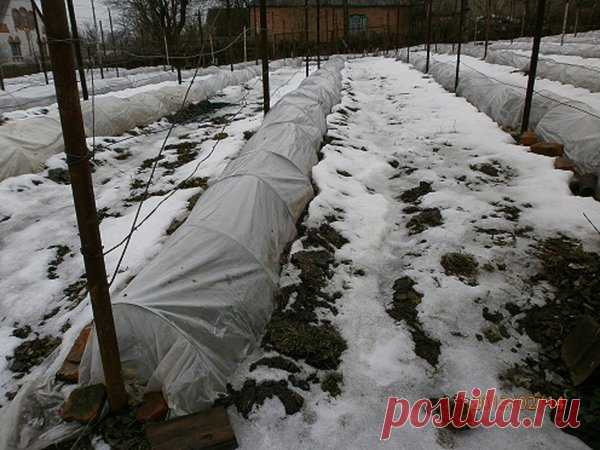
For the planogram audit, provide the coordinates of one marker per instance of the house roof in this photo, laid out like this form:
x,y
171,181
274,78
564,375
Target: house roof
x,y
351,3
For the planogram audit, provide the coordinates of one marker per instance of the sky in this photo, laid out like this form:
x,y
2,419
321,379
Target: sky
x,y
83,10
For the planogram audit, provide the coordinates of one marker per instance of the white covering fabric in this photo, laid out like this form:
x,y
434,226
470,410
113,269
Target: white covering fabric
x,y
553,118
188,318
26,144
578,73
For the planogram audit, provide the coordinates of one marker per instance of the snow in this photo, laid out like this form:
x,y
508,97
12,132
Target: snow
x,y
409,118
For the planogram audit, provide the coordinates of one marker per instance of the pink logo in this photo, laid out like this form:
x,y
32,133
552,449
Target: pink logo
x,y
489,411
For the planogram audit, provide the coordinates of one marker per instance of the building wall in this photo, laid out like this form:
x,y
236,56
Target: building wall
x,y
287,22
17,33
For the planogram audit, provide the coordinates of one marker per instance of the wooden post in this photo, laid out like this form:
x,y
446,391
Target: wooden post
x,y
488,13
114,44
167,58
98,54
201,35
306,34
245,45
539,25
67,95
318,34
264,50
230,49
39,40
429,18
77,48
564,25
576,20
2,78
460,39
103,58
346,25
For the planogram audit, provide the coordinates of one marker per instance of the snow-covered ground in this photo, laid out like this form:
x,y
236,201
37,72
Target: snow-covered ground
x,y
411,276
40,264
477,195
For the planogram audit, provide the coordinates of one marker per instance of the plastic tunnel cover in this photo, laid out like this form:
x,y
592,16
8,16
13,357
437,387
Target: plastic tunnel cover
x,y
188,319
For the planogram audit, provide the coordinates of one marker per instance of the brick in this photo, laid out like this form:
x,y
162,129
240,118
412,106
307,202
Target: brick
x,y
154,408
68,373
562,163
552,149
528,138
85,404
76,351
206,430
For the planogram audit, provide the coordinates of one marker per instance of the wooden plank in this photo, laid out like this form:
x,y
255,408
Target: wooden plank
x,y
206,430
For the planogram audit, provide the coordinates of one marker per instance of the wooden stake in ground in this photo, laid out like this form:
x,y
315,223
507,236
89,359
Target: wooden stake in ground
x,y
460,39
539,25
39,40
114,43
564,26
318,34
77,48
429,18
264,50
67,95
488,13
306,33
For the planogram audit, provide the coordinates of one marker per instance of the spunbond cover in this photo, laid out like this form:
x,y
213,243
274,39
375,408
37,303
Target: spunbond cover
x,y
195,312
26,144
201,305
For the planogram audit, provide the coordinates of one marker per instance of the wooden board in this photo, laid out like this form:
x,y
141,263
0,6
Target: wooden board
x,y
206,430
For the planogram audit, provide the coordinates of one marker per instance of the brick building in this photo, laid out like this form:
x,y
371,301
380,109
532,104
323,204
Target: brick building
x,y
366,18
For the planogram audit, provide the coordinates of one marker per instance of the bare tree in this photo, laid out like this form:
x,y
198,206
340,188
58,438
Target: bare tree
x,y
158,18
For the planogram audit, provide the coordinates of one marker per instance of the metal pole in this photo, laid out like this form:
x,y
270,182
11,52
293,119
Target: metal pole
x,y
318,34
39,40
539,25
306,34
77,48
564,26
460,38
429,18
576,20
112,38
2,79
488,12
67,95
264,50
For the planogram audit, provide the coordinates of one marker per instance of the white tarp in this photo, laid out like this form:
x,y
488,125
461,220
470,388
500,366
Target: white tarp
x,y
578,72
26,144
554,118
187,319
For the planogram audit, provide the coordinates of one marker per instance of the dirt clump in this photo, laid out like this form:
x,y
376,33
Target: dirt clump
x,y
404,308
461,265
428,218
